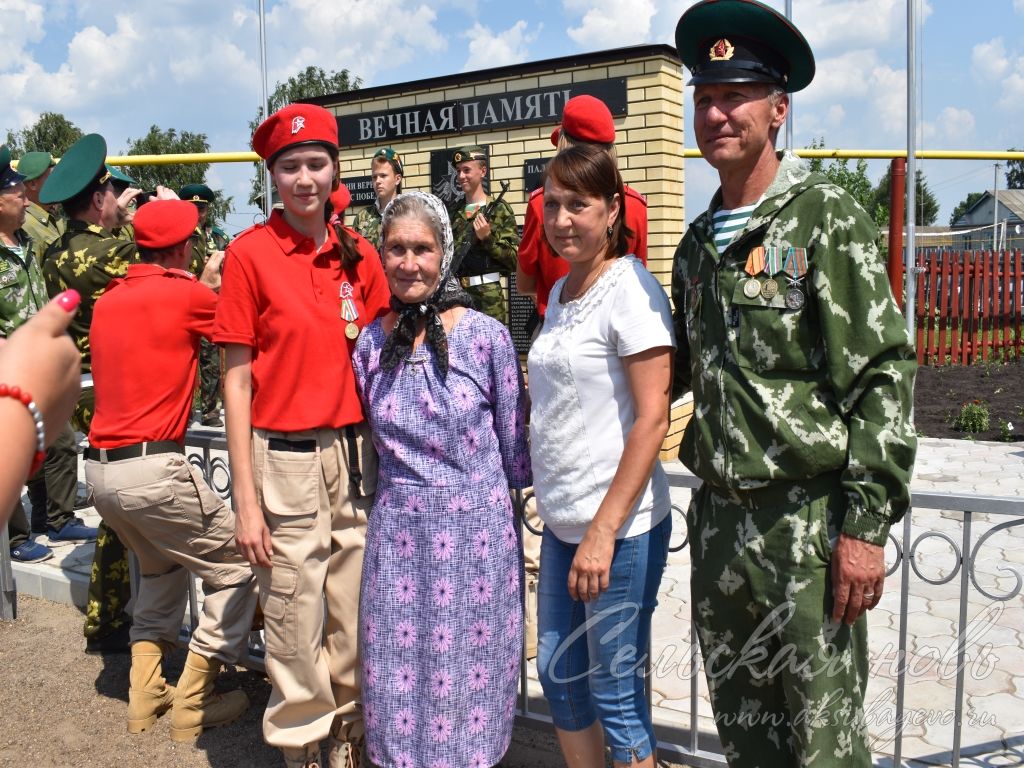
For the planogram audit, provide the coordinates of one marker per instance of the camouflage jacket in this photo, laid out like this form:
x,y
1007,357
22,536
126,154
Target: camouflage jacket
x,y
367,223
495,254
43,227
216,239
22,290
200,252
788,392
86,257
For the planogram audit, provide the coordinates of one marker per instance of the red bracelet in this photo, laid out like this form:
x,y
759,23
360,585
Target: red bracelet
x,y
26,399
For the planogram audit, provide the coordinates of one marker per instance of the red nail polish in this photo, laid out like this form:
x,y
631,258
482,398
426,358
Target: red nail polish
x,y
69,300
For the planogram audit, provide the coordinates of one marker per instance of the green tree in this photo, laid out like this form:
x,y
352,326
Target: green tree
x,y
965,205
312,81
1014,173
52,133
177,175
854,180
927,207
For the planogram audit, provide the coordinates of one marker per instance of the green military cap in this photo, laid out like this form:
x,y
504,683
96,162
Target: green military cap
x,y
392,157
743,41
120,177
32,165
80,166
200,194
8,176
472,152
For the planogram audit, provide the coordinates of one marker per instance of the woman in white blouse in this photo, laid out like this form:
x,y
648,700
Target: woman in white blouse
x,y
599,382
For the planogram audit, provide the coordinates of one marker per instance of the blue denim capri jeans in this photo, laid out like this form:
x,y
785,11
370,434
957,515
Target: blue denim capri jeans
x,y
591,657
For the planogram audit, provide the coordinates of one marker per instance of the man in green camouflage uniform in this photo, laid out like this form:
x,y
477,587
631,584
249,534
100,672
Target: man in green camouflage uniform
x,y
496,238
87,257
22,294
206,240
802,377
386,174
40,224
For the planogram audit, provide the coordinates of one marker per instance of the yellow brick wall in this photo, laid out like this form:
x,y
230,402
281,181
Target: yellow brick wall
x,y
648,140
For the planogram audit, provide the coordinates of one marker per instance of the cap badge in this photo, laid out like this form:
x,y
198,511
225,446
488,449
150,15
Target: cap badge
x,y
722,50
298,123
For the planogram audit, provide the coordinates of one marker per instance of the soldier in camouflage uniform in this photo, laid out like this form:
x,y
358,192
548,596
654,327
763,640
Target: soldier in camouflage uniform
x,y
497,239
386,171
40,224
206,240
87,257
802,377
22,294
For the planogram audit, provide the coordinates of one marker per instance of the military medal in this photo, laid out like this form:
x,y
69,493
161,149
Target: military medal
x,y
349,311
751,288
769,289
753,267
794,297
795,266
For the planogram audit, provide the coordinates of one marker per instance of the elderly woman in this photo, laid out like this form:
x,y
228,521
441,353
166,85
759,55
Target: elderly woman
x,y
441,606
295,295
599,384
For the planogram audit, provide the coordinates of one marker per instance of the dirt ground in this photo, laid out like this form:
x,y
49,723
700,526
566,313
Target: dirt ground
x,y
60,708
940,392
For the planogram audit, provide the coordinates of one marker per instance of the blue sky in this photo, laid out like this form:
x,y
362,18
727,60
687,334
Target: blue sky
x,y
118,66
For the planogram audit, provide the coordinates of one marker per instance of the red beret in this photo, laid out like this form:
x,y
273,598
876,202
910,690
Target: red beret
x,y
586,118
295,124
341,198
163,223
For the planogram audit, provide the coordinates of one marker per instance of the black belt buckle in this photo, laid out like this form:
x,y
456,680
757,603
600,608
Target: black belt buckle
x,y
295,446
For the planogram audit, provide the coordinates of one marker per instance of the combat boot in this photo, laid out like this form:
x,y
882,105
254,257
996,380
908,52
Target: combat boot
x,y
304,757
149,695
196,706
345,745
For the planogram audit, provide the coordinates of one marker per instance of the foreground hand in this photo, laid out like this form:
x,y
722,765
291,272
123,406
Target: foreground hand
x,y
40,358
482,227
253,538
163,193
211,271
589,573
858,575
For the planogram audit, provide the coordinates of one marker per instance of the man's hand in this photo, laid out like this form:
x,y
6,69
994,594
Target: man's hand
x,y
125,209
858,574
211,271
482,227
163,193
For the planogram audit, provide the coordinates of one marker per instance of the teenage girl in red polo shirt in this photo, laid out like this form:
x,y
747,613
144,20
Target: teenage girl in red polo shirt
x,y
295,294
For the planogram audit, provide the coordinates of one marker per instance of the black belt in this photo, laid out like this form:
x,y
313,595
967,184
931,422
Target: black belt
x,y
295,446
133,451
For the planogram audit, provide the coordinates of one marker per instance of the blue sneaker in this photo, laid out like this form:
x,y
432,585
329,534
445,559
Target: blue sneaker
x,y
31,552
73,530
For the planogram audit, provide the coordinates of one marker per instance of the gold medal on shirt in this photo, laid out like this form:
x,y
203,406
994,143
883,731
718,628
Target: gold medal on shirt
x,y
349,311
769,289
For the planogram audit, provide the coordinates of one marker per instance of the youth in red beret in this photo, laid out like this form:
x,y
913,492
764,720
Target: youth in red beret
x,y
294,297
163,223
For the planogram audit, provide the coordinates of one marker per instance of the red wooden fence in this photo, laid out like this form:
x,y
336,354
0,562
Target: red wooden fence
x,y
969,306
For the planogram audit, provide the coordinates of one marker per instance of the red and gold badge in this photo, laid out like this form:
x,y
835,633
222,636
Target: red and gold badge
x,y
722,50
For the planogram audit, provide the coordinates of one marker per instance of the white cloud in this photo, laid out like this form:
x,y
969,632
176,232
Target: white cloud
x,y
510,46
21,23
954,128
1012,99
610,23
1018,6
989,60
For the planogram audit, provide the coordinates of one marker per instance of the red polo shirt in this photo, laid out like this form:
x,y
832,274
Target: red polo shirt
x,y
145,339
545,266
284,299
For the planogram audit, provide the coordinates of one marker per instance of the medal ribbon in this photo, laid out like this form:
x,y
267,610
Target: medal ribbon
x,y
773,261
755,261
349,311
796,262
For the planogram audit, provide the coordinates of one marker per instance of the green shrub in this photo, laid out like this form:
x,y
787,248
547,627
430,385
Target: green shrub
x,y
973,417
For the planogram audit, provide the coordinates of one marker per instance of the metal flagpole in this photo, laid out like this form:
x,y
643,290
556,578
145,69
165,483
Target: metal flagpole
x,y
909,256
267,195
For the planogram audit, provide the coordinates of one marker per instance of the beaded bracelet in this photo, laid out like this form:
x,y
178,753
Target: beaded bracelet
x,y
26,399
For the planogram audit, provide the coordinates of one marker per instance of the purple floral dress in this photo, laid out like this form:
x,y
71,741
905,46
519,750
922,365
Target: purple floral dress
x,y
440,615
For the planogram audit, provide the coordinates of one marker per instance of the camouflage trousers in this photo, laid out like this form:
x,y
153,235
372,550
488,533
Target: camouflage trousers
x,y
209,378
787,683
109,583
490,299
